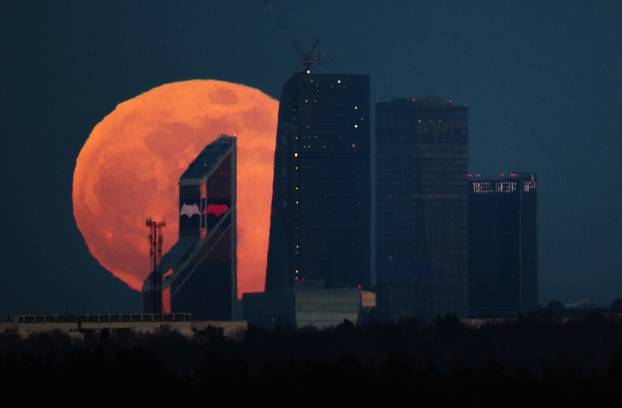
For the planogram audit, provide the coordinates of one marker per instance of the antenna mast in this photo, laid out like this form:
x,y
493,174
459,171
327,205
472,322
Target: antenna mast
x,y
155,254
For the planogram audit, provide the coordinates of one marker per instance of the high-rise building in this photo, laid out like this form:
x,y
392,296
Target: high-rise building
x,y
503,247
320,222
199,271
308,306
421,208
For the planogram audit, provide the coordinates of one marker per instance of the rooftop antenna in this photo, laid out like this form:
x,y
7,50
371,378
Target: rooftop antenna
x,y
308,58
155,254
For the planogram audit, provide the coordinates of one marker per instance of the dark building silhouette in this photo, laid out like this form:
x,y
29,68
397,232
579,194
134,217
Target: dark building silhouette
x,y
503,245
320,222
200,269
152,288
421,208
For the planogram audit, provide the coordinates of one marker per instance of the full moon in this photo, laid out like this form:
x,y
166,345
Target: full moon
x,y
131,163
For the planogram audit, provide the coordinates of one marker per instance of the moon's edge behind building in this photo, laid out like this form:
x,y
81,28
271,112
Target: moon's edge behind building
x,y
200,270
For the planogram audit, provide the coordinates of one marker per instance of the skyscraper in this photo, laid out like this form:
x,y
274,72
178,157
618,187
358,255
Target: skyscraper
x,y
320,222
503,248
199,271
421,208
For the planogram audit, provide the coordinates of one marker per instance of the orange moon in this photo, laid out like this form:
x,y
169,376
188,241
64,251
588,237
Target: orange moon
x,y
130,165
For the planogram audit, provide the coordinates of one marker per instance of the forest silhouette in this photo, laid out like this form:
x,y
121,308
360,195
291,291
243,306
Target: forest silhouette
x,y
507,364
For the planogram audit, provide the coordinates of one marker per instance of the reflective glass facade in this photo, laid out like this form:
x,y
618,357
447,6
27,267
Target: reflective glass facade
x,y
320,222
503,249
200,269
421,208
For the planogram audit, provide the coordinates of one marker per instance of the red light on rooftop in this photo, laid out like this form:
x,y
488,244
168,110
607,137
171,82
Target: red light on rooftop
x,y
514,174
469,175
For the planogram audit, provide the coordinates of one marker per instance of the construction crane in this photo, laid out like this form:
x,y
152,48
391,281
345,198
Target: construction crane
x,y
309,58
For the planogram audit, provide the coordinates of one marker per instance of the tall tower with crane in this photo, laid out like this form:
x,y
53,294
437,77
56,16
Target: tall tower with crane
x,y
320,217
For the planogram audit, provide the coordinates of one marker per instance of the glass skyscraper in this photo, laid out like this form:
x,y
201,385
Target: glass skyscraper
x,y
320,222
503,247
199,271
421,208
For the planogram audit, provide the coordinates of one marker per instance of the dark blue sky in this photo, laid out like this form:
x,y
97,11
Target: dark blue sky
x,y
542,79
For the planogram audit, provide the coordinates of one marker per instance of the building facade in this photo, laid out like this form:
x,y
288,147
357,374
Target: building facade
x,y
200,270
421,208
81,325
503,245
308,306
320,222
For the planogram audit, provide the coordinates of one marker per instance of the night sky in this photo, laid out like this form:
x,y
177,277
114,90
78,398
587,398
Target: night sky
x,y
542,79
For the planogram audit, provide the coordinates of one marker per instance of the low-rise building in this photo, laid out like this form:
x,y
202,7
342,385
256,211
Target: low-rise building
x,y
308,306
113,323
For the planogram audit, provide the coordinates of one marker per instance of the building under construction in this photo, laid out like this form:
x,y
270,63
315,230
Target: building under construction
x,y
198,275
319,230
